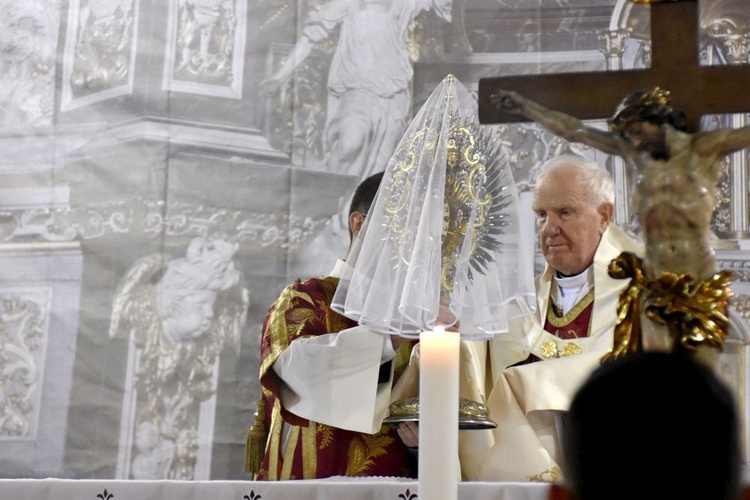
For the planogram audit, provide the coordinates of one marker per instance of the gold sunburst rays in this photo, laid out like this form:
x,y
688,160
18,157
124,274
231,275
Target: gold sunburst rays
x,y
476,197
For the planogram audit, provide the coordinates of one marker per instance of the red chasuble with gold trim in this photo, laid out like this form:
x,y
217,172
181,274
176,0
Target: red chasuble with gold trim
x,y
575,324
316,450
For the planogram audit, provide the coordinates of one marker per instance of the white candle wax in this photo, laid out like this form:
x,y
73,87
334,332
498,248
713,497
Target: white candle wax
x,y
438,415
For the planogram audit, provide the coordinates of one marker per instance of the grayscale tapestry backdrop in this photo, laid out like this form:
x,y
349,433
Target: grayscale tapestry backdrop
x,y
167,166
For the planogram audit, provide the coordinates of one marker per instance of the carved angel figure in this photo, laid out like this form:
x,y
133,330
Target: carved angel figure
x,y
179,316
369,81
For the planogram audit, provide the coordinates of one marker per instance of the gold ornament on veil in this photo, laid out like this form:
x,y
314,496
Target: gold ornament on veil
x,y
475,196
443,244
474,199
443,238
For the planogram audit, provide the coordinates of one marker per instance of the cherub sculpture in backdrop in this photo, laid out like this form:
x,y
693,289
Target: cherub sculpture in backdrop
x,y
678,285
179,315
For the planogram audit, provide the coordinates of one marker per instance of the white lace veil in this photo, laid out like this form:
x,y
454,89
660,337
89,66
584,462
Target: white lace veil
x,y
444,226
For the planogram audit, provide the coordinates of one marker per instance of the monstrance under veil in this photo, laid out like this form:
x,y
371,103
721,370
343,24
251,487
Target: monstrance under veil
x,y
443,230
444,227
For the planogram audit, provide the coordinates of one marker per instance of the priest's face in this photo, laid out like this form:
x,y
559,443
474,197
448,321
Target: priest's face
x,y
568,223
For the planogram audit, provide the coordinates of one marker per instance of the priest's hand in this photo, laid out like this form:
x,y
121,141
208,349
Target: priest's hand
x,y
409,433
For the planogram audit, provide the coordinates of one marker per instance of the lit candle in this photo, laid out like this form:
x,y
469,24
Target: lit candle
x,y
438,415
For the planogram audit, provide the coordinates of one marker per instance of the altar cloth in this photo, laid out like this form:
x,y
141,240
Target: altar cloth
x,y
316,489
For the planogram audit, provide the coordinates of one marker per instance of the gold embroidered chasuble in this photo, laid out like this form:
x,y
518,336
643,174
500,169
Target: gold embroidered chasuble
x,y
312,449
526,400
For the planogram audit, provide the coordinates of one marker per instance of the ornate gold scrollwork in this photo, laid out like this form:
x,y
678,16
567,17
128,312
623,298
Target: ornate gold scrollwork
x,y
694,311
550,349
474,197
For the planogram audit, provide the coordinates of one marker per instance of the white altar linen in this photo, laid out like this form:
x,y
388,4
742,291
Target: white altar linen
x,y
315,489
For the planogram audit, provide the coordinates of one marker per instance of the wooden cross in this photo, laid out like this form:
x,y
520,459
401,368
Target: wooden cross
x,y
694,89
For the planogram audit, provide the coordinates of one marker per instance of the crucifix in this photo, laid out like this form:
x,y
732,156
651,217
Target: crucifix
x,y
677,298
697,90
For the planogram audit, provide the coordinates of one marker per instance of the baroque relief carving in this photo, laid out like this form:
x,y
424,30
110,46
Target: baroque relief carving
x,y
741,304
614,46
24,316
27,62
721,219
155,217
99,51
179,316
206,47
528,145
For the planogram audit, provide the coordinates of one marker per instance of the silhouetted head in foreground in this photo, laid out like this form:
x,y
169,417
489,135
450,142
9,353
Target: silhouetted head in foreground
x,y
651,425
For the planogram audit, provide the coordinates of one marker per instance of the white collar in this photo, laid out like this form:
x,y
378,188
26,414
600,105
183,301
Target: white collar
x,y
577,281
567,291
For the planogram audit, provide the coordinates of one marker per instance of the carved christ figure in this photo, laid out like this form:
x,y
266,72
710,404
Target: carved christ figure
x,y
678,286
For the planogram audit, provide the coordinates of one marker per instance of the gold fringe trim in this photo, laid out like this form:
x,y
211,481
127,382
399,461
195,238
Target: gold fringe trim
x,y
257,435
